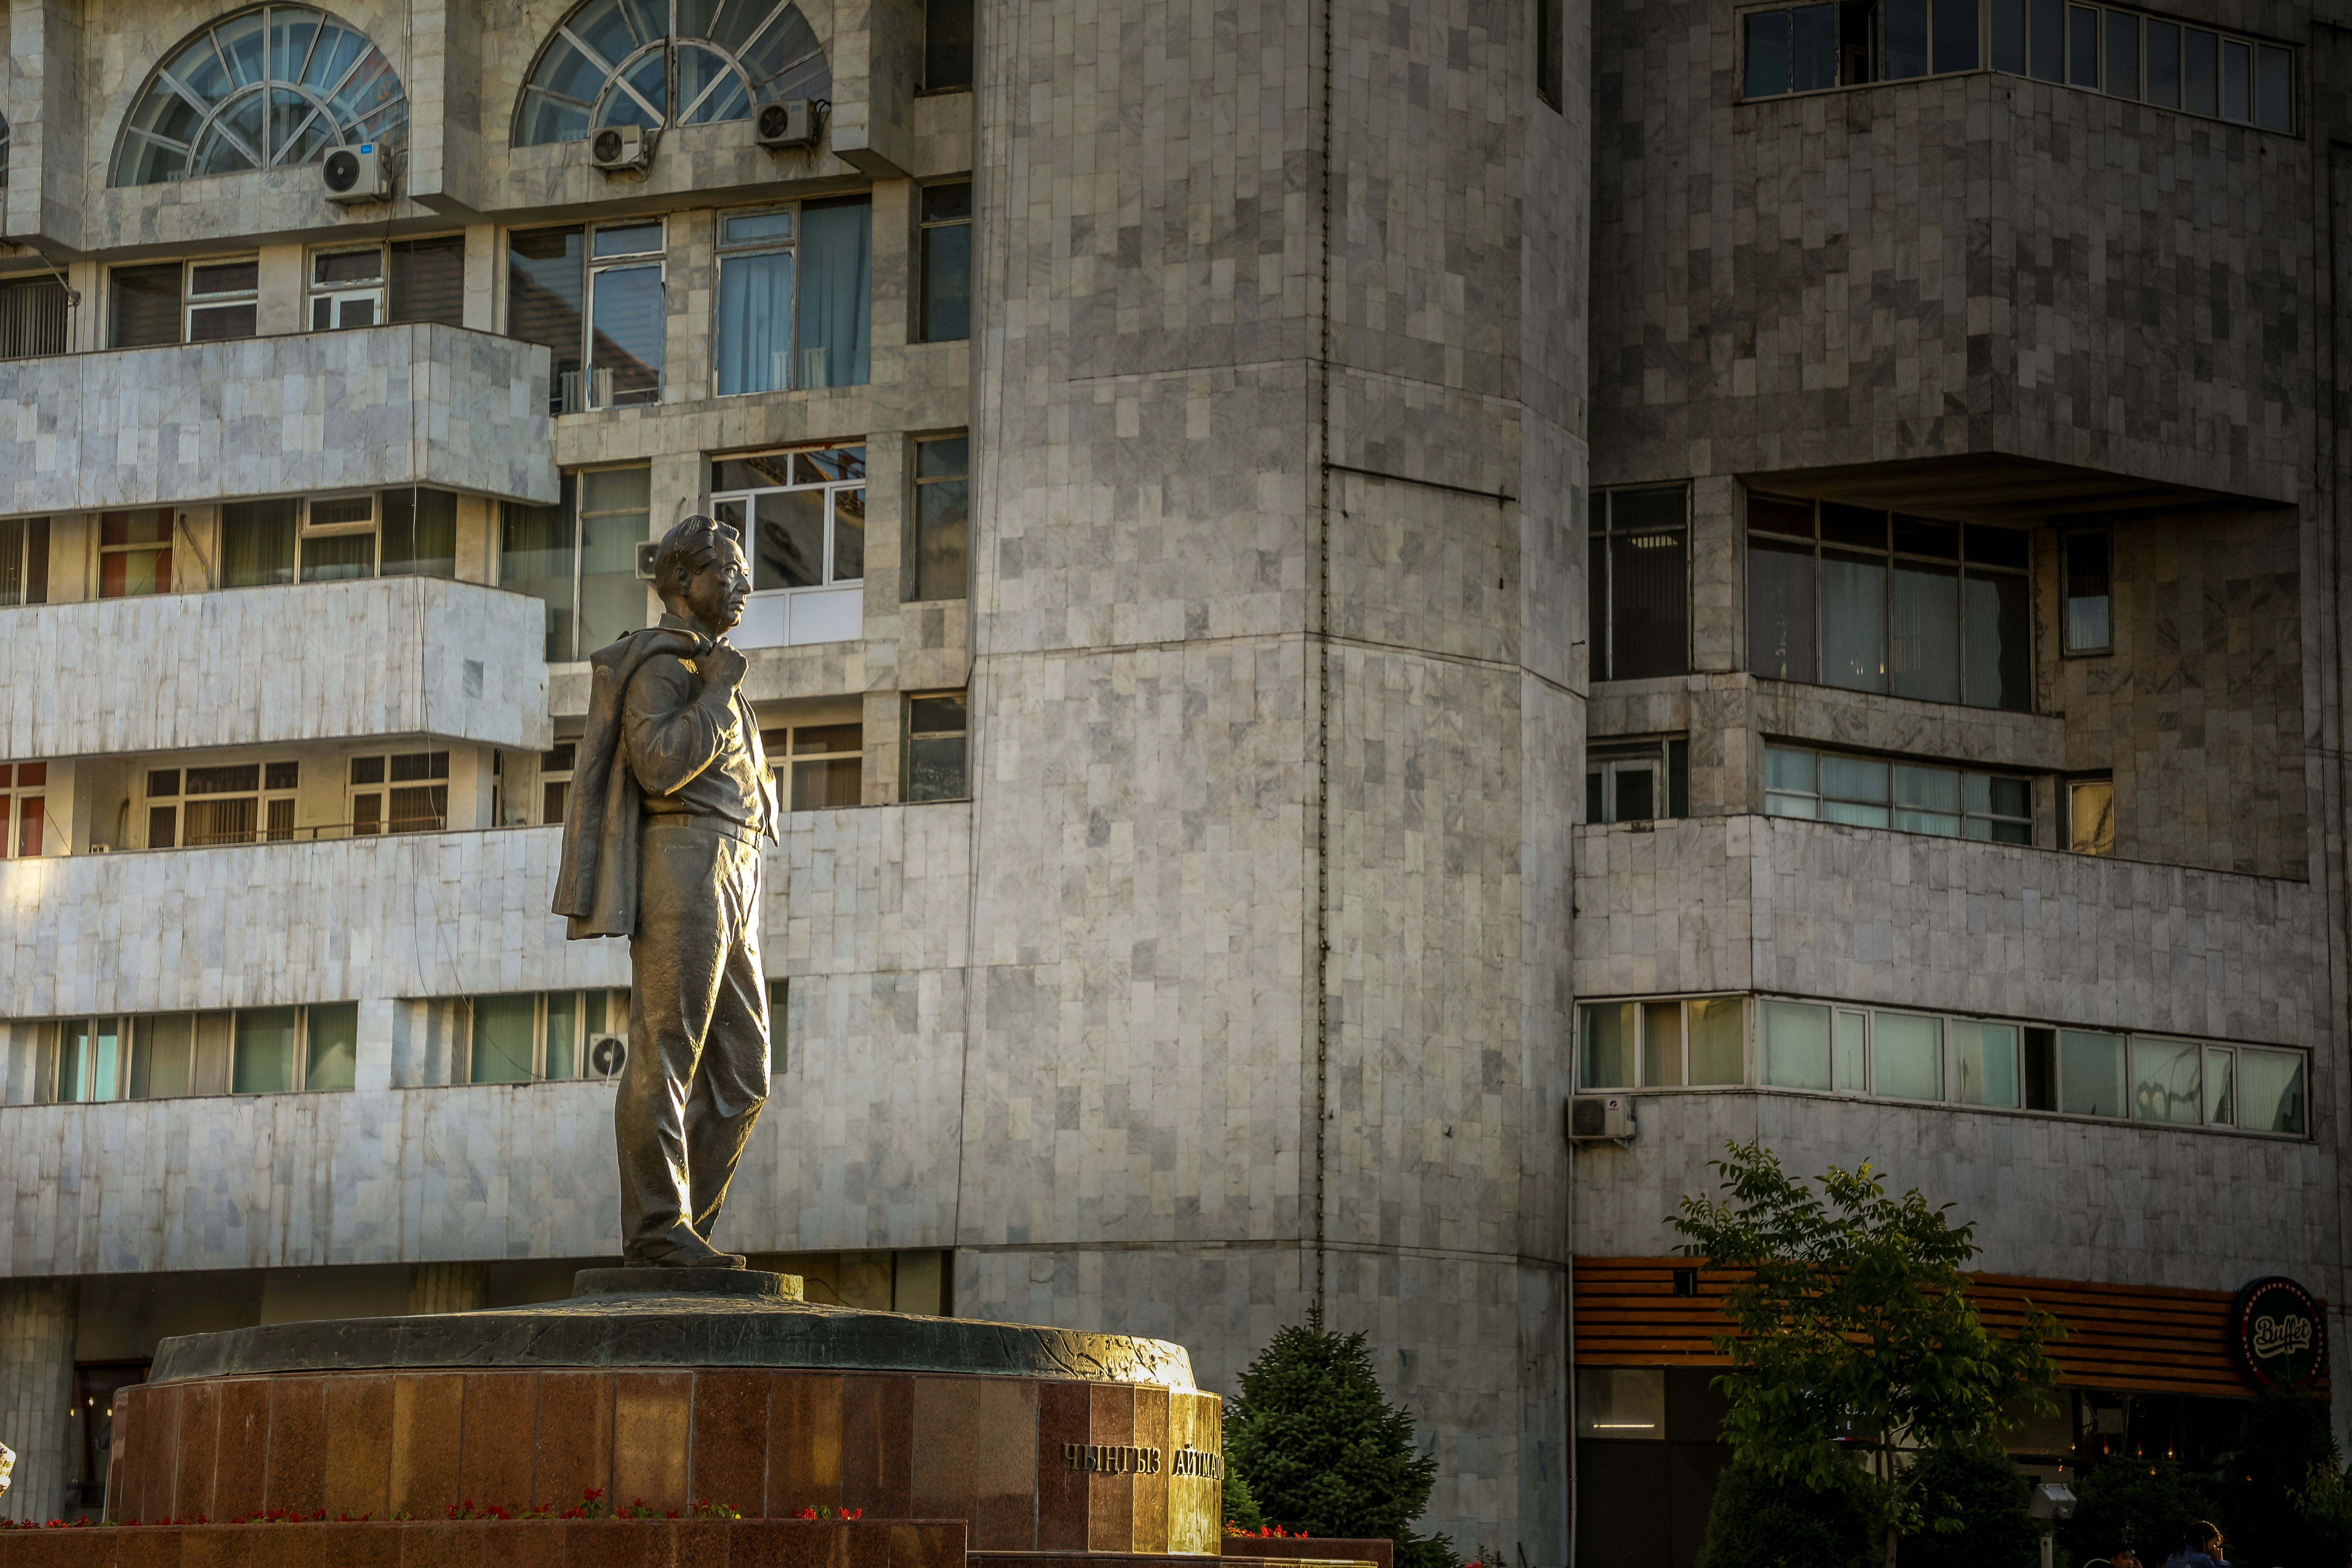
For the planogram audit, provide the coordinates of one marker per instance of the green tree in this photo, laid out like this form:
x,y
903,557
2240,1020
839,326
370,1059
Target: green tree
x,y
2145,1504
1967,1508
1852,1325
1321,1450
1759,1520
2286,1438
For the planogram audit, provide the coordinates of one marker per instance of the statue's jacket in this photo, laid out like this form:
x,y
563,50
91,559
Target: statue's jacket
x,y
597,885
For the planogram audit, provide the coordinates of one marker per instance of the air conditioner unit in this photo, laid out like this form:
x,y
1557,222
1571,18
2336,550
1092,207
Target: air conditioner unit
x,y
1601,1119
607,1055
360,173
622,149
648,553
793,123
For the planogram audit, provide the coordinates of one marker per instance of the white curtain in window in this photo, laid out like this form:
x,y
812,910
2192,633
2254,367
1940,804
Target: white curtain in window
x,y
755,322
835,309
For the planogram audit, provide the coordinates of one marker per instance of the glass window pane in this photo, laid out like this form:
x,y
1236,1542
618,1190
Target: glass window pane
x,y
1927,800
2236,63
848,535
1796,1044
1853,779
1647,605
502,1038
1623,1402
1606,1058
1956,36
1812,46
428,280
264,1060
1906,1057
1634,786
1857,525
1924,633
935,769
2008,37
2042,1070
562,1033
942,532
2088,627
164,1057
1853,621
420,532
834,309
745,228
547,297
2000,641
1793,518
144,302
1780,611
947,283
1905,38
73,1061
755,322
2092,809
1984,1063
2220,1085
2165,1081
625,354
947,45
612,596
1717,1040
2201,75
2164,63
2274,88
2271,1092
2048,22
628,240
338,557
2091,1074
535,558
788,538
1852,1041
1786,768
2123,54
2081,45
1768,54
1662,1044
332,1056
826,785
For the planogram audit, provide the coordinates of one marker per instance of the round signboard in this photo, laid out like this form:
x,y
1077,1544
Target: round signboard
x,y
2279,1332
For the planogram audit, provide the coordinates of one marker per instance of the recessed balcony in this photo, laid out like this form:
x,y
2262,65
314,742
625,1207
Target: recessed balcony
x,y
418,404
321,661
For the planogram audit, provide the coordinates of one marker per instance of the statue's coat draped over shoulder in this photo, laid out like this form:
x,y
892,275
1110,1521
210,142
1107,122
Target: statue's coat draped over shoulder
x,y
597,886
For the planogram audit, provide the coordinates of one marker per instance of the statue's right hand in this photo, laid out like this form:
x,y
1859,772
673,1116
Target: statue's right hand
x,y
722,668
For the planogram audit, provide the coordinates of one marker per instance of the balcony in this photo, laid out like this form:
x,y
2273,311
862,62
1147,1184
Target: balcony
x,y
325,662
1871,915
420,404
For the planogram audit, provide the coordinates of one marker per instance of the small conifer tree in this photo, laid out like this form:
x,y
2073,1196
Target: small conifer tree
x,y
1322,1450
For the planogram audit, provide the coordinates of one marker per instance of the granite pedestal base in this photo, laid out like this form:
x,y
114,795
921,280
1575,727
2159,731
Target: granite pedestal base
x,y
1039,1439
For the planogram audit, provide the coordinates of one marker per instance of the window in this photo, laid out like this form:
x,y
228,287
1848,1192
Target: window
x,y
428,280
144,305
803,516
1640,611
346,288
547,302
794,297
24,810
754,342
1627,1403
169,1056
265,88
1804,49
817,766
942,532
592,296
936,763
580,557
834,313
134,553
947,46
24,561
555,782
407,532
1914,797
1637,781
779,1009
2091,816
946,315
2130,54
229,802
1694,1042
667,62
1896,1053
224,300
532,1036
1549,32
404,792
1874,601
2090,612
33,310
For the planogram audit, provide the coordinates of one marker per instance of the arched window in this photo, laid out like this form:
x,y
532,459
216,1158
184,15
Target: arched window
x,y
668,62
264,88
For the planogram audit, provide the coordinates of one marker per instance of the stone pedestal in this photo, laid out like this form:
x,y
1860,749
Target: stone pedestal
x,y
1041,1439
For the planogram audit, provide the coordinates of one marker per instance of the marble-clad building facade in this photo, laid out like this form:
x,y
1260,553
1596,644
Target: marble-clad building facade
x,y
1260,623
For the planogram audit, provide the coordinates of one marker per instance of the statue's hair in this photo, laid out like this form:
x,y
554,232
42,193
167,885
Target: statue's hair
x,y
693,544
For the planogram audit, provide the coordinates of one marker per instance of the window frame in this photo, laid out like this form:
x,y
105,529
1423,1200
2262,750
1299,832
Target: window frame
x,y
573,515
911,583
780,740
543,1016
49,1074
925,226
598,268
381,788
274,803
24,561
1667,758
1821,793
1602,595
1637,1045
746,498
911,735
722,251
166,550
2075,786
2067,542
334,297
24,838
219,299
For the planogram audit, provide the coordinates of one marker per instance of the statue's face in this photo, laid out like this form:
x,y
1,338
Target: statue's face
x,y
715,596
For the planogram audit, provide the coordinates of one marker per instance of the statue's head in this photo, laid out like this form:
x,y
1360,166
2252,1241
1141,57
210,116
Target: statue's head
x,y
701,574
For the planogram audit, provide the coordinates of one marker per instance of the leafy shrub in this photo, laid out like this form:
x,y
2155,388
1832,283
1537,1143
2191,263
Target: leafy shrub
x,y
1758,1522
1967,1508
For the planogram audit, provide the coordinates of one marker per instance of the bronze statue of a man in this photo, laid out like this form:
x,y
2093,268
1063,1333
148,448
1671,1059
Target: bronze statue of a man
x,y
670,802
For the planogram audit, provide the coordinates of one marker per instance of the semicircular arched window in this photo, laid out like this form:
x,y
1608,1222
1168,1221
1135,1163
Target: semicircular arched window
x,y
669,62
265,88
